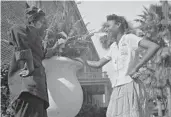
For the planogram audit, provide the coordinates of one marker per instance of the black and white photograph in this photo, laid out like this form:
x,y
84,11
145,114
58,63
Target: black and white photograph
x,y
85,58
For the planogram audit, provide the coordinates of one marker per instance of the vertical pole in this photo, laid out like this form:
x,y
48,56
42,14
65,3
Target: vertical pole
x,y
106,95
165,10
169,101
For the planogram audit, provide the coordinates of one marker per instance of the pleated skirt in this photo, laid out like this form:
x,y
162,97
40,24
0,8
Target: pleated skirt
x,y
128,100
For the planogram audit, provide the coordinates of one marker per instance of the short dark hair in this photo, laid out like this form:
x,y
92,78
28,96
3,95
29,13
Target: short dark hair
x,y
118,19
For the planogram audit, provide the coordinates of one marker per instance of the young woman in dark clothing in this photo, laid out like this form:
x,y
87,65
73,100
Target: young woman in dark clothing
x,y
27,78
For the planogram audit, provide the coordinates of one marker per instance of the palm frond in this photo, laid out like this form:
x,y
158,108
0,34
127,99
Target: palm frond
x,y
145,13
146,10
139,20
142,16
152,8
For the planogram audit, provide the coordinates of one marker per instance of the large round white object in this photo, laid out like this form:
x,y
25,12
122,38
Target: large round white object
x,y
64,90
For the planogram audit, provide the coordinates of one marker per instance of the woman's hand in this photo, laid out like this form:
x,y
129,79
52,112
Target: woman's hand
x,y
89,63
59,42
134,74
97,64
26,71
56,48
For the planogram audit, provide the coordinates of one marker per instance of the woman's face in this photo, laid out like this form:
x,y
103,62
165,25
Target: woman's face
x,y
113,28
41,25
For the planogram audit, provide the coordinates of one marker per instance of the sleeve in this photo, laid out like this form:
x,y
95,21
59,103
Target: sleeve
x,y
44,50
22,52
133,41
48,53
108,56
20,42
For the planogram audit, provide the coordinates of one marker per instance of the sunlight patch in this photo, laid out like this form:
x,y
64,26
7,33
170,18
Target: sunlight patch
x,y
67,83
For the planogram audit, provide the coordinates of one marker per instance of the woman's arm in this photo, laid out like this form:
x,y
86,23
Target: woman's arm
x,y
151,47
97,64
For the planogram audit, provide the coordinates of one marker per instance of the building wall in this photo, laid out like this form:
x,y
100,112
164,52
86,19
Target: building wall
x,y
98,100
11,13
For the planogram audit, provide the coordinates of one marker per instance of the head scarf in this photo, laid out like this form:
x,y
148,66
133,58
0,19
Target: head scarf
x,y
33,13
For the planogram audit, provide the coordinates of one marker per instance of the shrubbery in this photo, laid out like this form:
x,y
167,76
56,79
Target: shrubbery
x,y
4,88
90,110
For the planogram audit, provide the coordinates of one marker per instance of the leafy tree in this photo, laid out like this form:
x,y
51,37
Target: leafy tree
x,y
155,23
4,89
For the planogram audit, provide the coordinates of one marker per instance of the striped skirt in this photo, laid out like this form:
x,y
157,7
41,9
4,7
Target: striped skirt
x,y
128,100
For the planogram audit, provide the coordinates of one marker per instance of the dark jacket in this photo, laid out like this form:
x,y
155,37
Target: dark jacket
x,y
28,47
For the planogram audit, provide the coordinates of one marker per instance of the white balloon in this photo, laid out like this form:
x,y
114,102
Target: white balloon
x,y
64,90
